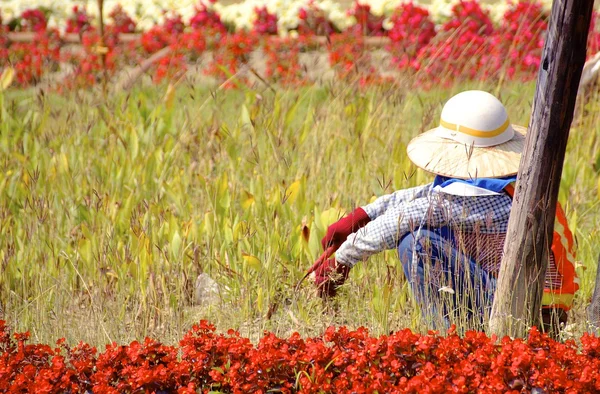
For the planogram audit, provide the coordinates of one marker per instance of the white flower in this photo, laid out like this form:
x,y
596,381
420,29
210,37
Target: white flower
x,y
568,332
381,7
240,15
387,24
497,10
547,5
441,10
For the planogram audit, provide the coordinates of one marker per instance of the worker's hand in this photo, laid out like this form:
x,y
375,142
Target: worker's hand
x,y
340,230
329,276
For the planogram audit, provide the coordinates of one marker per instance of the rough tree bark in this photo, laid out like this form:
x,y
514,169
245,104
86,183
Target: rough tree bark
x,y
518,296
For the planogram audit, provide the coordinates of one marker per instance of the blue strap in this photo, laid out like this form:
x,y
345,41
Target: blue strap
x,y
492,184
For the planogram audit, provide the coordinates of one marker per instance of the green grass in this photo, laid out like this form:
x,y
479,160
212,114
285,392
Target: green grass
x,y
109,209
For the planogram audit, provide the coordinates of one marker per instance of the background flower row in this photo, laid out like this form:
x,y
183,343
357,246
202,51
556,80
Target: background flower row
x,y
467,46
242,15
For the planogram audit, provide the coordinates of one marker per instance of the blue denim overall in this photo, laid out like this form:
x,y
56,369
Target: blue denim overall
x,y
446,283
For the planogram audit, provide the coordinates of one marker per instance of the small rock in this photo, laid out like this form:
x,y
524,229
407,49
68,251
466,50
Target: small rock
x,y
446,289
516,384
206,290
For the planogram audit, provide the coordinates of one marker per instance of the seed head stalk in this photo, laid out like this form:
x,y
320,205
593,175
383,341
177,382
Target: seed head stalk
x,y
102,50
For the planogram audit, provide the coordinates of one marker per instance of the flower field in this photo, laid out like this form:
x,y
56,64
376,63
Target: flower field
x,y
429,44
340,361
241,15
201,192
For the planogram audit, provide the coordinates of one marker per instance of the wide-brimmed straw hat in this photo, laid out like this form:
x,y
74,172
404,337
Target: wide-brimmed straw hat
x,y
475,139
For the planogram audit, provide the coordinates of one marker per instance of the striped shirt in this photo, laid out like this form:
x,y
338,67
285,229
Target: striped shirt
x,y
479,223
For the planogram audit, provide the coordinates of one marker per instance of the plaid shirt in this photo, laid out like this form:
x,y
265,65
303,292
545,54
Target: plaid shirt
x,y
397,214
479,223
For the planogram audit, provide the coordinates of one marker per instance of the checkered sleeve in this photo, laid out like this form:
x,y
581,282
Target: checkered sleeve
x,y
381,205
486,213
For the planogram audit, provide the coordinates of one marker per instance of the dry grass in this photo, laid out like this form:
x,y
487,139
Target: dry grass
x,y
110,209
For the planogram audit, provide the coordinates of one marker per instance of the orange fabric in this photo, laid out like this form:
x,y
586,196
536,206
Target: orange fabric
x,y
563,249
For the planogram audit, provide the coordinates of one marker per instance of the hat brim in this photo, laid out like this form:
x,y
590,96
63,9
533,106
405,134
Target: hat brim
x,y
457,160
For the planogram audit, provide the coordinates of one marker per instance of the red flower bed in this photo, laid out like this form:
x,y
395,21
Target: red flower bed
x,y
468,46
520,40
32,59
230,54
347,55
341,361
283,60
411,32
457,52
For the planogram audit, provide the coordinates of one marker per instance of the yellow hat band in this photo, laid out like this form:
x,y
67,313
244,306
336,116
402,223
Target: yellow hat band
x,y
474,132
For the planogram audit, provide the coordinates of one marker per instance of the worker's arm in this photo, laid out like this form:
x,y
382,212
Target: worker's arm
x,y
383,203
436,210
339,231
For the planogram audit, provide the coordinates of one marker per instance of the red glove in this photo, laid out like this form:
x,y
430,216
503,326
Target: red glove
x,y
329,275
340,230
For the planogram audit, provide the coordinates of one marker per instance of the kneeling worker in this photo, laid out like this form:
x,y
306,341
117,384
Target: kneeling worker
x,y
450,233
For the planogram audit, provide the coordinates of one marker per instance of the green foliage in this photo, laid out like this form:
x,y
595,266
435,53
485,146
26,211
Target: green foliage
x,y
109,210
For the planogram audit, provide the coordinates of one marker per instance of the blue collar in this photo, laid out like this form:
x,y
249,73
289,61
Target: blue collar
x,y
492,184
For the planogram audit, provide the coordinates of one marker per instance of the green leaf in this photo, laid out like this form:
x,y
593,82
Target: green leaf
x,y
291,114
247,200
252,261
331,216
133,144
314,243
223,195
291,193
245,119
176,244
260,299
169,96
85,250
597,163
363,119
6,78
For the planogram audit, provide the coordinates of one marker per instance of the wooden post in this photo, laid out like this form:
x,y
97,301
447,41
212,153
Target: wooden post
x,y
517,301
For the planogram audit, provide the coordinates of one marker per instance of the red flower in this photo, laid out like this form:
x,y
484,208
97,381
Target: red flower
x,y
457,52
33,20
121,21
78,22
412,30
370,25
314,21
265,23
230,54
206,19
283,60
